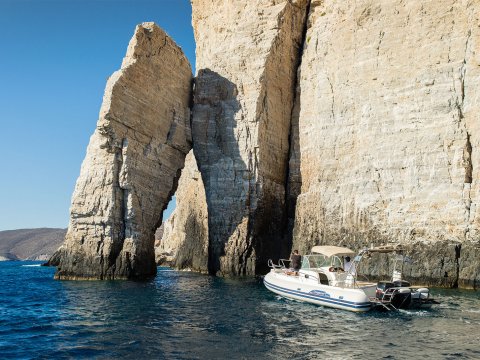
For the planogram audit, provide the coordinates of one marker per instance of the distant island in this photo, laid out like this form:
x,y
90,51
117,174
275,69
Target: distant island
x,y
30,244
40,244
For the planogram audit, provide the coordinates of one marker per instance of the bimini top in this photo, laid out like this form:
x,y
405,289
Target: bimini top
x,y
332,250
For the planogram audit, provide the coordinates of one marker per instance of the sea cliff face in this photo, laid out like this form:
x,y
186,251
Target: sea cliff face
x,y
312,122
388,131
132,164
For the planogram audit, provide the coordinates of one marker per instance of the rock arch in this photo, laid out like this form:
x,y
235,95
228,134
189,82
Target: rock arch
x,y
132,165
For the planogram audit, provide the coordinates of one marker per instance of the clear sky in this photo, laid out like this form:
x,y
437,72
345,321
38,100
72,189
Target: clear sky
x,y
55,57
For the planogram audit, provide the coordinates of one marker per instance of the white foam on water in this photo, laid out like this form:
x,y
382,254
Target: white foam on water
x,y
34,265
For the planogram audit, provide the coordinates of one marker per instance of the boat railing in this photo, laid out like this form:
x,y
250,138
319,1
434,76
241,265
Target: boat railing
x,y
359,280
272,265
281,264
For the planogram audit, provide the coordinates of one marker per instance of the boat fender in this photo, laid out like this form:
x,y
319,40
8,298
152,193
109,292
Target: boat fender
x,y
404,290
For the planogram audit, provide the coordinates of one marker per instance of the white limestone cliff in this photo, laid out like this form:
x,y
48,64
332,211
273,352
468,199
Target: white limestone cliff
x,y
389,130
132,164
350,122
246,59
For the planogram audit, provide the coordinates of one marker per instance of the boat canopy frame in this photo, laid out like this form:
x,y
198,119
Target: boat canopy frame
x,y
366,253
329,251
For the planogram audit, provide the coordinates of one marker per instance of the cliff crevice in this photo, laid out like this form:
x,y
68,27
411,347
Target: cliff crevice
x,y
293,177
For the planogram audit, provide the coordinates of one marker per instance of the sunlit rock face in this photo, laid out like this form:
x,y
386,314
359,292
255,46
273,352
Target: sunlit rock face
x,y
388,131
184,243
354,123
132,164
246,58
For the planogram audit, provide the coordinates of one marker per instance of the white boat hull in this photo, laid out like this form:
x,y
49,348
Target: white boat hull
x,y
293,287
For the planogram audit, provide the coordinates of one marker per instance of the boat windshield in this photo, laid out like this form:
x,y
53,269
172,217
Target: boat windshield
x,y
318,261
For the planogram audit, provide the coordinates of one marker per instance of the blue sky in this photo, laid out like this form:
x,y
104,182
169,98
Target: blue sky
x,y
55,57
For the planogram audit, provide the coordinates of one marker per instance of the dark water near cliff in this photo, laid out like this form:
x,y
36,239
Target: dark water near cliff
x,y
181,315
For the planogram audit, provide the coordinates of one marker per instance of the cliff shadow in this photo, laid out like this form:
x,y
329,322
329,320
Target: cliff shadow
x,y
250,171
294,176
218,133
278,111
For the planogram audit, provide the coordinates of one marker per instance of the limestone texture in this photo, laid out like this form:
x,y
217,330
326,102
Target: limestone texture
x,y
184,242
246,58
388,132
312,122
132,164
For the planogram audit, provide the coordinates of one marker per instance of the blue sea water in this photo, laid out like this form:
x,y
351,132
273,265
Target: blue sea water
x,y
181,315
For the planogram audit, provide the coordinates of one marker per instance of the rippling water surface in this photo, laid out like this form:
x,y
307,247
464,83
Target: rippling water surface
x,y
181,315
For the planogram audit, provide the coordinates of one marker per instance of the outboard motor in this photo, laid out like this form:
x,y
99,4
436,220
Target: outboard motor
x,y
424,293
402,298
420,296
398,293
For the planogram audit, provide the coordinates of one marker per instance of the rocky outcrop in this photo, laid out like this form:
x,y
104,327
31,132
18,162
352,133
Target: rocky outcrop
x,y
184,242
246,59
132,164
389,132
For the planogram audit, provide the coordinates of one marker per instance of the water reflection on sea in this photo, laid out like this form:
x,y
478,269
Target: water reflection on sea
x,y
181,315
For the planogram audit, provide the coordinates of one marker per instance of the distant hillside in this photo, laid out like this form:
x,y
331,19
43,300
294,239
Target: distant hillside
x,y
30,244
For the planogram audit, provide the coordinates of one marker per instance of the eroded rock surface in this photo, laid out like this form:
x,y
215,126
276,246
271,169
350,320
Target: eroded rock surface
x,y
374,139
184,242
246,58
389,132
132,164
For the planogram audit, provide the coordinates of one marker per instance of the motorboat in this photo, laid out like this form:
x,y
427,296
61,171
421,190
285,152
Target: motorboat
x,y
327,278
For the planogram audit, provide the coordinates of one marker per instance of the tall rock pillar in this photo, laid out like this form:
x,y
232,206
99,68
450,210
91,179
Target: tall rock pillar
x,y
247,54
132,164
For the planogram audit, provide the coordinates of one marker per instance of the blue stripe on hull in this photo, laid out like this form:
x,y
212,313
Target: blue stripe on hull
x,y
344,304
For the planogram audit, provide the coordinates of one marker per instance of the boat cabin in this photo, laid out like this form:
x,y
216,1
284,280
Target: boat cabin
x,y
324,265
